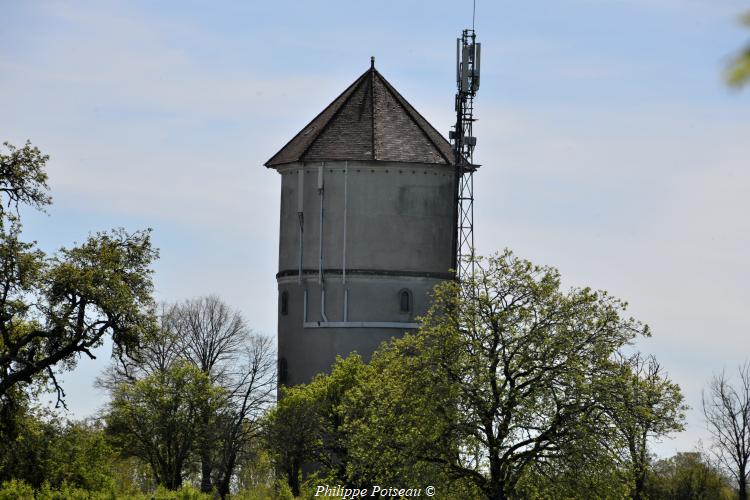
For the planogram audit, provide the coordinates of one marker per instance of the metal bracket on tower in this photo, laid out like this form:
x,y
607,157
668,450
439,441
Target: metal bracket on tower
x,y
468,53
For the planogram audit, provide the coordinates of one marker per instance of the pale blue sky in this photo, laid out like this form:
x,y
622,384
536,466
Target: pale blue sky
x,y
610,146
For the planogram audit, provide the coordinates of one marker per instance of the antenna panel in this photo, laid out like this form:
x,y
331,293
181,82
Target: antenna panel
x,y
458,62
477,65
464,69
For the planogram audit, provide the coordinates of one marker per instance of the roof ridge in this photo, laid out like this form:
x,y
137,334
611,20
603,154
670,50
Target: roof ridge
x,y
396,130
350,89
411,111
341,105
372,71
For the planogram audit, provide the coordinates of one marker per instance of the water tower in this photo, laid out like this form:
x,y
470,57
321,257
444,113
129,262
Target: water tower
x,y
368,226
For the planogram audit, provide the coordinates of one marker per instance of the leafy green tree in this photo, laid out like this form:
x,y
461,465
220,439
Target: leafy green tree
x,y
216,339
307,426
505,375
250,391
23,179
157,418
292,431
83,457
45,449
584,472
55,308
687,476
642,404
739,72
309,432
24,452
209,335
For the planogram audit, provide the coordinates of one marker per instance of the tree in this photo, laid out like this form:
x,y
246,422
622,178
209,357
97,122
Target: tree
x,y
642,404
211,337
214,339
157,418
504,376
250,393
727,412
739,72
46,449
307,426
586,470
54,309
23,179
687,476
156,352
292,433
309,432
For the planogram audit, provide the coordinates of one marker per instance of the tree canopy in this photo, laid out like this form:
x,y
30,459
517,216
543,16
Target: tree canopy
x,y
23,178
220,423
511,387
687,475
157,418
738,73
55,308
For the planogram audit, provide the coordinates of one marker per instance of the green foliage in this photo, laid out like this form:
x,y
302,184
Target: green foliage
x,y
53,309
504,375
83,457
23,179
512,388
47,451
156,418
738,73
212,338
283,491
53,459
270,491
257,470
687,476
307,424
183,493
642,404
22,491
585,471
16,490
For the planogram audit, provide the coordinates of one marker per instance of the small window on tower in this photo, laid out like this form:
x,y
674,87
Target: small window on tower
x,y
405,300
284,303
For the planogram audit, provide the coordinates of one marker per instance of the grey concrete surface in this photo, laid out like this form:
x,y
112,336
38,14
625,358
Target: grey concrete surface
x,y
399,225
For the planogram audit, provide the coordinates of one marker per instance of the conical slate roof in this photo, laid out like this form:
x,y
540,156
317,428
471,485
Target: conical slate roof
x,y
370,120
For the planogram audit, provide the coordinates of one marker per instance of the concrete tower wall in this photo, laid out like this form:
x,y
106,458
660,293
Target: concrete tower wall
x,y
386,229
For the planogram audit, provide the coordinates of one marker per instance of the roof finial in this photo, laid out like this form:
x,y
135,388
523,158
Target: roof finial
x,y
372,62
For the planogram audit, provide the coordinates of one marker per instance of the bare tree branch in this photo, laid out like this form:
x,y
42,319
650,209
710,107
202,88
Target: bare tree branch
x,y
727,412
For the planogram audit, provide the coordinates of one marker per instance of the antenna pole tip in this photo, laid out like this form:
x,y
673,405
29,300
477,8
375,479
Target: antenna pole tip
x,y
372,62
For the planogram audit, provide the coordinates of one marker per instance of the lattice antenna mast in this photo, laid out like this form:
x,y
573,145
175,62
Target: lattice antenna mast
x,y
468,53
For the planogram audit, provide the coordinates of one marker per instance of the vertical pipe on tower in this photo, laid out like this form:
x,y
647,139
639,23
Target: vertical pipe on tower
x,y
346,203
300,215
343,252
323,304
320,261
320,234
304,307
